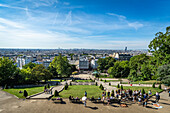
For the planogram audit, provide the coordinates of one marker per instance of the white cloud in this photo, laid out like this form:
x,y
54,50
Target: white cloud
x,y
135,25
8,6
10,23
68,19
121,17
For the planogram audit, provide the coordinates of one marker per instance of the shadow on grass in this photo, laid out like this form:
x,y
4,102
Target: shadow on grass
x,y
93,108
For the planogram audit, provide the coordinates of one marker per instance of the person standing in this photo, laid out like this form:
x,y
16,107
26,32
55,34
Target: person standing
x,y
84,99
85,93
169,93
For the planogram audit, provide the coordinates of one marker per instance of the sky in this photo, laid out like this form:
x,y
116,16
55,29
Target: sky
x,y
90,24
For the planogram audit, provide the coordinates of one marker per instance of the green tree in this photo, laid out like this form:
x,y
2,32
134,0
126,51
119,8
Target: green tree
x,y
105,63
62,66
160,48
138,68
41,73
164,74
7,70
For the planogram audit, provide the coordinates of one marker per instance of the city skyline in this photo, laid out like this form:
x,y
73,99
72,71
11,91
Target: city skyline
x,y
109,24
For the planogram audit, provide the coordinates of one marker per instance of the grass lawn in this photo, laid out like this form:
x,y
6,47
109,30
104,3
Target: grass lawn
x,y
83,80
143,82
78,91
30,91
153,90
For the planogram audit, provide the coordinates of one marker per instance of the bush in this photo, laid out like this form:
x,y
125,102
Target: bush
x,y
153,85
101,87
66,86
109,84
70,84
56,93
105,76
113,93
56,83
48,85
45,87
25,93
118,86
96,84
160,86
143,91
121,87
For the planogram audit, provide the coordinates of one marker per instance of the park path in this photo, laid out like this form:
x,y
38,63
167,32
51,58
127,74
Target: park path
x,y
48,95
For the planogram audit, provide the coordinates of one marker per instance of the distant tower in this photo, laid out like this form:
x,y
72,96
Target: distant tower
x,y
125,49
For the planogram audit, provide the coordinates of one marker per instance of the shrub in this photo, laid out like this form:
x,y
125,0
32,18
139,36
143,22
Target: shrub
x,y
105,76
121,87
56,83
48,85
101,87
109,84
118,86
66,86
25,93
96,84
56,93
153,85
45,87
70,84
113,93
160,86
143,91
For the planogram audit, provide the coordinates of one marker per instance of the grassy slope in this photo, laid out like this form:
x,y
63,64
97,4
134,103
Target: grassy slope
x,y
154,90
79,90
30,91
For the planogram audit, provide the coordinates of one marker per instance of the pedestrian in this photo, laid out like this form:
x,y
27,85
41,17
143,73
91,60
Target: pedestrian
x,y
108,94
84,99
85,93
169,93
157,97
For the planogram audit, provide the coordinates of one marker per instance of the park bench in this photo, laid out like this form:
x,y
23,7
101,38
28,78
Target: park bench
x,y
57,100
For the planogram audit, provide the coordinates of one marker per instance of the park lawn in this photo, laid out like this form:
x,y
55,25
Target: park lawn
x,y
30,91
78,91
83,80
143,82
153,90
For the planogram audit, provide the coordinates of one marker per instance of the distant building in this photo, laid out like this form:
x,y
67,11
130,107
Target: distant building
x,y
46,63
28,59
38,62
20,62
122,56
125,49
83,64
94,63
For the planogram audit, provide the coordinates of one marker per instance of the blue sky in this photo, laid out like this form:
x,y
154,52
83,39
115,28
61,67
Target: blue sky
x,y
92,24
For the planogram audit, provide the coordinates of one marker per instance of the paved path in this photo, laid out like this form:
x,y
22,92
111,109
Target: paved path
x,y
46,96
